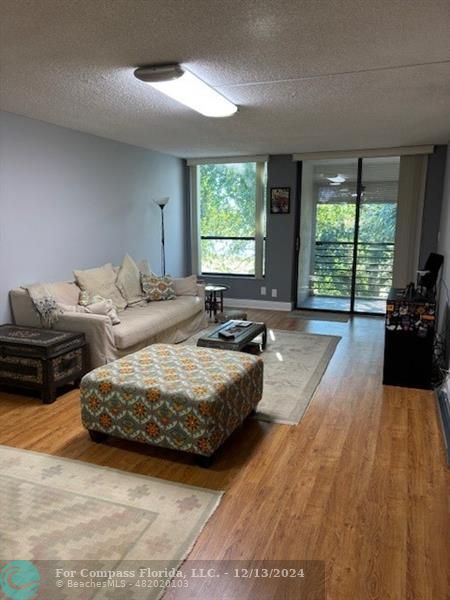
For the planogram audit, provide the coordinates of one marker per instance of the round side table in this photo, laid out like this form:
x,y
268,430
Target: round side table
x,y
214,298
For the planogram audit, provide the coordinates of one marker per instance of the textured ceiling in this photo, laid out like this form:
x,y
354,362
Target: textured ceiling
x,y
308,75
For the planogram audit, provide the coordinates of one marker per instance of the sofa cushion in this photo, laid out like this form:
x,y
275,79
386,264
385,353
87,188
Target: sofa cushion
x,y
101,281
64,292
141,322
157,288
129,281
185,286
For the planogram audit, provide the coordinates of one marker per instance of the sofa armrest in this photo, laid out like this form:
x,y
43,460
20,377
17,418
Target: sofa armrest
x,y
22,309
201,291
99,335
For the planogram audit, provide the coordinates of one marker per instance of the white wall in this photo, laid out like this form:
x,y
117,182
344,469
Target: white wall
x,y
72,200
444,248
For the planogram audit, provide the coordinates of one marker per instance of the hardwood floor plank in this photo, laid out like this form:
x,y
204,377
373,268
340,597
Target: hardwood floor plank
x,y
360,483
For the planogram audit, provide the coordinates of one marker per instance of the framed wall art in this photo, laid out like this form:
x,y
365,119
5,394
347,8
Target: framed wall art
x,y
280,200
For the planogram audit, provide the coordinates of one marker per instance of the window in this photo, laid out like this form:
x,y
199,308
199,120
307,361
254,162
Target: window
x,y
229,199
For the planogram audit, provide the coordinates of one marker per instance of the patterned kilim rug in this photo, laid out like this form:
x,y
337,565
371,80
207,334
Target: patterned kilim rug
x,y
294,364
75,515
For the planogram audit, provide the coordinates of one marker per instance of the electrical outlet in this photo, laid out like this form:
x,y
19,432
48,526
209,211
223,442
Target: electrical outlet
x,y
263,290
274,292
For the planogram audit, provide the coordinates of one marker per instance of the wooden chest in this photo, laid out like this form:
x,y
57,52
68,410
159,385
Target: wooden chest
x,y
41,359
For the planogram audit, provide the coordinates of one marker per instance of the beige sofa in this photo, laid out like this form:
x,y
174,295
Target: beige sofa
x,y
169,322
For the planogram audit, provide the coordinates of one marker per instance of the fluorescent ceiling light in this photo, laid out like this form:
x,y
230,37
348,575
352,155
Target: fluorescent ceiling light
x,y
183,86
338,179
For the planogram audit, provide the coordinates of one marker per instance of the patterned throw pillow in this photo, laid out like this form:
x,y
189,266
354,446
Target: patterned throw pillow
x,y
83,299
157,288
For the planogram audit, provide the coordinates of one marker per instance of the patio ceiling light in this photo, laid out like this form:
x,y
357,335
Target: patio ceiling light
x,y
338,179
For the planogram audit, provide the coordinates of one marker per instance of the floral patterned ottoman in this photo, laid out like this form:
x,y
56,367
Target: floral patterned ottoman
x,y
180,397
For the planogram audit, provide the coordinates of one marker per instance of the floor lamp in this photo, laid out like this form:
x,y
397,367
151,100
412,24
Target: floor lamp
x,y
161,202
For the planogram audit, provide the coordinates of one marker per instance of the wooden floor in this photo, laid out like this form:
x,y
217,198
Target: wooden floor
x,y
376,307
361,483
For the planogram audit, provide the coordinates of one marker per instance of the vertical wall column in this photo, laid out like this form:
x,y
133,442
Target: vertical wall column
x,y
307,232
281,231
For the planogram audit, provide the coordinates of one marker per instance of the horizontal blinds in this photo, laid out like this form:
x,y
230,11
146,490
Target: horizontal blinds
x,y
371,152
226,160
373,192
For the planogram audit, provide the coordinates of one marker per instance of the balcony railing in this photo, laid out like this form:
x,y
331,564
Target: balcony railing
x,y
333,268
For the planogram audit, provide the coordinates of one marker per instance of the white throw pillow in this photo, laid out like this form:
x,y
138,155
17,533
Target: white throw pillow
x,y
185,286
129,281
101,281
144,267
103,306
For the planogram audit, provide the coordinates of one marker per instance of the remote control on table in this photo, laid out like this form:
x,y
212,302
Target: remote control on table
x,y
226,335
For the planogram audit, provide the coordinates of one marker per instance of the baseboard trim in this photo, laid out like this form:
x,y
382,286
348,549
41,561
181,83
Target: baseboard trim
x,y
444,417
261,304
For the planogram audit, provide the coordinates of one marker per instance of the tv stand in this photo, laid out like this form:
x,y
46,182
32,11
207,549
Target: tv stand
x,y
409,340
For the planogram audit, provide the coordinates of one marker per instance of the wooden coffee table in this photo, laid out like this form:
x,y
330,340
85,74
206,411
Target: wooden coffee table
x,y
243,335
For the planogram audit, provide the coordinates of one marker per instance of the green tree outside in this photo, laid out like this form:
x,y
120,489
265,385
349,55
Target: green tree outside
x,y
335,226
227,209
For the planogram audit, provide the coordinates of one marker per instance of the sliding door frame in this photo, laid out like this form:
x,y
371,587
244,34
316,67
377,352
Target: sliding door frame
x,y
356,235
359,189
298,216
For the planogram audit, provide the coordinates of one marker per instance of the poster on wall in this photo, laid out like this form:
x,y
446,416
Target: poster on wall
x,y
280,200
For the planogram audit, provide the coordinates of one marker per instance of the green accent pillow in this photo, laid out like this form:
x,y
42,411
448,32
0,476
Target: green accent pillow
x,y
157,288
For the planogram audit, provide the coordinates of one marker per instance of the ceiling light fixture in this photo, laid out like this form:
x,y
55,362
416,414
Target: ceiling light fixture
x,y
183,86
338,179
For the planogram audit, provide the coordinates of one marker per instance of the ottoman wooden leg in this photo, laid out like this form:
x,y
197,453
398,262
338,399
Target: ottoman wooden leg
x,y
97,436
204,461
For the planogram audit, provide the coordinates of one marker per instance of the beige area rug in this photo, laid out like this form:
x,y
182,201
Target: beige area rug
x,y
294,364
315,315
73,514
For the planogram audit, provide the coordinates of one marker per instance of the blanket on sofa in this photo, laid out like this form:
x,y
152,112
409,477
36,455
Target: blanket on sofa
x,y
44,304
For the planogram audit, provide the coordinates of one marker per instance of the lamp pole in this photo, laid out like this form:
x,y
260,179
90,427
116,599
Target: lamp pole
x,y
163,249
161,202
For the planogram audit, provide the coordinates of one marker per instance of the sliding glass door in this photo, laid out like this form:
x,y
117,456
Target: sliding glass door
x,y
347,229
376,233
